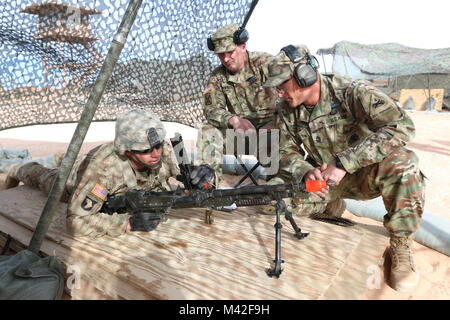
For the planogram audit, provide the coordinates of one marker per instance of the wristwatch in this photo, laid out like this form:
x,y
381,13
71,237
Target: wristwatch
x,y
339,163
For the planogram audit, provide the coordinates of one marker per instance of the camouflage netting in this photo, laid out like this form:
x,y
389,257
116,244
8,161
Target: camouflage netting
x,y
401,67
51,52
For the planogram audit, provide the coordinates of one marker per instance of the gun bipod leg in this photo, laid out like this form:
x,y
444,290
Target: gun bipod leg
x,y
276,271
298,232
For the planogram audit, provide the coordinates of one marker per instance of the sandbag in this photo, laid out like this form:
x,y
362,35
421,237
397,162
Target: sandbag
x,y
26,276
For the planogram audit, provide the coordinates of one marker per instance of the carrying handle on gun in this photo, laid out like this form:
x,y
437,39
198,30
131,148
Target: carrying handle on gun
x,y
183,160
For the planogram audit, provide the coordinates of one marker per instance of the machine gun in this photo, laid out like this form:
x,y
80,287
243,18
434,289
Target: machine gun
x,y
149,207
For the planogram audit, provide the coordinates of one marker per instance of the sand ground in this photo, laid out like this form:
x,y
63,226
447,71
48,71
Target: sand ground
x,y
431,144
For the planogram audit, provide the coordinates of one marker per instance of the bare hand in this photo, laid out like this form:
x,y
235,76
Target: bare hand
x,y
316,174
241,124
128,229
333,173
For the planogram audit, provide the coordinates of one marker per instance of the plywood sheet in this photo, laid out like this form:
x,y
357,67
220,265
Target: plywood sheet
x,y
188,259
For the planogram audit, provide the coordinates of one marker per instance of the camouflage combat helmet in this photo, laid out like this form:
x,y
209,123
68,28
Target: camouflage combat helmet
x,y
138,130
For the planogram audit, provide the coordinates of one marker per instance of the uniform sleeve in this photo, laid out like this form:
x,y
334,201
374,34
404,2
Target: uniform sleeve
x,y
215,106
291,157
391,128
83,216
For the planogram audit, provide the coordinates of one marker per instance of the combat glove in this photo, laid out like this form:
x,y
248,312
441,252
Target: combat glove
x,y
201,175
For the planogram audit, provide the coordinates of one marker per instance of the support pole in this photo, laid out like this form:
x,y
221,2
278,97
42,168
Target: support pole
x,y
58,186
249,13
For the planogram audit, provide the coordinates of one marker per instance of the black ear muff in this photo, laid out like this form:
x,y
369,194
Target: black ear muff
x,y
305,74
240,36
210,44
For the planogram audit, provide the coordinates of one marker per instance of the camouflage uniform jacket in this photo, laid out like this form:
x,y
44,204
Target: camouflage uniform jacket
x,y
352,120
103,172
240,94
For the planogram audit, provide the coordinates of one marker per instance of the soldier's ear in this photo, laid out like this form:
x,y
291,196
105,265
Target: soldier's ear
x,y
243,46
128,154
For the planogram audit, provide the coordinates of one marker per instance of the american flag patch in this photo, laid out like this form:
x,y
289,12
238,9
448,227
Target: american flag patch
x,y
207,89
99,191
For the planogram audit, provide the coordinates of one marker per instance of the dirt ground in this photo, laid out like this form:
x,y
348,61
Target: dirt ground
x,y
431,144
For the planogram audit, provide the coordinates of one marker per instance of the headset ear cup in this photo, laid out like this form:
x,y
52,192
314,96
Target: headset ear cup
x,y
297,78
305,75
210,43
240,36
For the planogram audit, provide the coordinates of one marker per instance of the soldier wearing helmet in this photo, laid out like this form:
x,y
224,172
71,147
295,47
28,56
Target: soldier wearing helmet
x,y
138,158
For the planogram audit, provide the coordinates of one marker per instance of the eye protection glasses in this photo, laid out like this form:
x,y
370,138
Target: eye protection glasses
x,y
147,151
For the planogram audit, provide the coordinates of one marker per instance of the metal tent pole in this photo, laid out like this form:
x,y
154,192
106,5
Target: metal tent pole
x,y
57,189
249,13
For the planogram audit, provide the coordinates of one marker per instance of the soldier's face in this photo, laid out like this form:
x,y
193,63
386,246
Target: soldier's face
x,y
288,92
296,95
150,158
234,60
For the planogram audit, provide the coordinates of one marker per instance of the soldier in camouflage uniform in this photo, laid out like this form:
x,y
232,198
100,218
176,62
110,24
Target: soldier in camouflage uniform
x,y
354,135
139,158
234,97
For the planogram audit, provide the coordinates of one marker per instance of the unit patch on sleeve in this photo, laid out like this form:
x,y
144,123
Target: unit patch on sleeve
x,y
377,103
208,89
99,191
88,204
208,99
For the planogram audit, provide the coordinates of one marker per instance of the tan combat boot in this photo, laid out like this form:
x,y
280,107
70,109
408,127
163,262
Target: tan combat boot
x,y
335,208
404,276
11,180
333,214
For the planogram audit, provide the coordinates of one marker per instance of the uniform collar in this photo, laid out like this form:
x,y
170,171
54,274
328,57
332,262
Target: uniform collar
x,y
323,106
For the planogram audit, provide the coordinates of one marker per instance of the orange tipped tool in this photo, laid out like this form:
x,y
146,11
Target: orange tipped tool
x,y
315,185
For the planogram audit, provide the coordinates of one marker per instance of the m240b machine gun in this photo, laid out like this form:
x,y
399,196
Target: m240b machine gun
x,y
149,207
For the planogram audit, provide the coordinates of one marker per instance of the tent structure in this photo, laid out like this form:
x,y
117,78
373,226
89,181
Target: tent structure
x,y
400,71
52,52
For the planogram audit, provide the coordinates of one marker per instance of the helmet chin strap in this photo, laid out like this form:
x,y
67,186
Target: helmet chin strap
x,y
148,166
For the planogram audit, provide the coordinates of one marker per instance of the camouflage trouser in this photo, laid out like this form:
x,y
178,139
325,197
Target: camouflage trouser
x,y
212,144
397,179
35,175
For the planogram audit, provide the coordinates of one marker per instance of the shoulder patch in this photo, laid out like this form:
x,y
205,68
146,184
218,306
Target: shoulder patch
x,y
99,191
88,204
208,89
208,99
377,102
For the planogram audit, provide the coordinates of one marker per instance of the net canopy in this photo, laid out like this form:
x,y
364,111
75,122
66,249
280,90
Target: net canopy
x,y
51,53
386,60
393,67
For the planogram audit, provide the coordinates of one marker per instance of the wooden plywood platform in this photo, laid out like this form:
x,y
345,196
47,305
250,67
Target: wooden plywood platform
x,y
184,258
